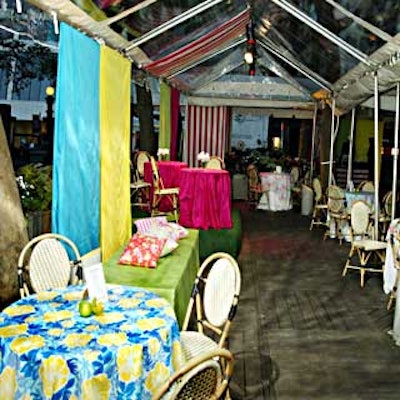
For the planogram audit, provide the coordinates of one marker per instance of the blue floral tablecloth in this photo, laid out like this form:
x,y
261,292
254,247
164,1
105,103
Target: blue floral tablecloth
x,y
48,351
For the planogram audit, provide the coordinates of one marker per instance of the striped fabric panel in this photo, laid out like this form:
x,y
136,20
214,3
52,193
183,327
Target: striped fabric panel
x,y
206,130
201,47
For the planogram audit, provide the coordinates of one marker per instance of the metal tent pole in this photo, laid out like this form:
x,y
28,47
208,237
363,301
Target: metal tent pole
x,y
376,154
395,152
330,178
350,155
314,129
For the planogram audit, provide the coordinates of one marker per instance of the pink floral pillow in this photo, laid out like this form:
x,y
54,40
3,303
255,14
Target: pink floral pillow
x,y
142,250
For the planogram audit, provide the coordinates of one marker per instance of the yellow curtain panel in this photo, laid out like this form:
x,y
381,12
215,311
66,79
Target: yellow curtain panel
x,y
115,97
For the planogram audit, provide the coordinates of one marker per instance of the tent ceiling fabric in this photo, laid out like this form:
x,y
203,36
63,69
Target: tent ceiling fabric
x,y
337,45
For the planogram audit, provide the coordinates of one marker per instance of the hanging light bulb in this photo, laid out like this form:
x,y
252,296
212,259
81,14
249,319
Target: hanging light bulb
x,y
248,57
18,6
55,22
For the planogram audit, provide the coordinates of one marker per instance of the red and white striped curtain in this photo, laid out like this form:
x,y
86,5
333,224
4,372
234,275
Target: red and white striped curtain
x,y
206,130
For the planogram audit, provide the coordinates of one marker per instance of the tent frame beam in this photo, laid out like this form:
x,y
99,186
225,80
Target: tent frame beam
x,y
354,52
171,23
297,65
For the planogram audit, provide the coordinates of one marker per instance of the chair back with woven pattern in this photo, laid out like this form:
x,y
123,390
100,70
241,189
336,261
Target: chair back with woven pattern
x,y
140,158
45,260
336,199
205,377
294,175
215,296
253,175
360,219
215,162
366,186
318,196
387,203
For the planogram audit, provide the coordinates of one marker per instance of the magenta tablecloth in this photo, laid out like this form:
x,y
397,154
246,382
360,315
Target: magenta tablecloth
x,y
170,172
205,199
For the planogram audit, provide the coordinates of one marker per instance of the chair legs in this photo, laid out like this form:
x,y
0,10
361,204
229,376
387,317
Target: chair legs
x,y
316,217
364,258
173,199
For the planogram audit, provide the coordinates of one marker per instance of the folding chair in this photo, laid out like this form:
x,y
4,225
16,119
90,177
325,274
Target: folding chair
x,y
160,192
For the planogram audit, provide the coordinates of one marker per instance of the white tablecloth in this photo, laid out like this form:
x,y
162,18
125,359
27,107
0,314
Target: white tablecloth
x,y
276,187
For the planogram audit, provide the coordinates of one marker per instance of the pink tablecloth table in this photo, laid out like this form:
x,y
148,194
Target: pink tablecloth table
x,y
205,199
277,191
170,172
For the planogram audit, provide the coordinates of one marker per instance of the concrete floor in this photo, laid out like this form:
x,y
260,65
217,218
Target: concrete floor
x,y
301,330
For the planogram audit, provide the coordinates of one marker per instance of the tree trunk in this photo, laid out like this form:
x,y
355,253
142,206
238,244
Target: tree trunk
x,y
13,233
148,139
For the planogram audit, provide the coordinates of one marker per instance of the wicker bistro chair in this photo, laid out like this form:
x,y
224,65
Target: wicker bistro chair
x,y
160,192
213,304
366,186
336,211
385,216
320,206
215,162
140,190
361,246
254,190
45,260
205,377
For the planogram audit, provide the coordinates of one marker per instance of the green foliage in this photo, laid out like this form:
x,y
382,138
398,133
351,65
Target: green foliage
x,y
24,61
35,187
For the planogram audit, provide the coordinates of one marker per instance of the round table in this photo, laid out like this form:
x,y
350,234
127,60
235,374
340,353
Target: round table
x,y
276,191
205,198
49,351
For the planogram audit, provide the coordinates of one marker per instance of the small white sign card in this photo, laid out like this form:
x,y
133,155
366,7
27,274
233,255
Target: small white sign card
x,y
95,281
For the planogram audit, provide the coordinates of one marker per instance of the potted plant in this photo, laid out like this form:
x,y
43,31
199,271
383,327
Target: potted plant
x,y
35,189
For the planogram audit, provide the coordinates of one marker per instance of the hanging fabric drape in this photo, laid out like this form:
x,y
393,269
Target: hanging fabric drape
x,y
115,148
164,136
76,165
175,123
201,47
92,128
206,130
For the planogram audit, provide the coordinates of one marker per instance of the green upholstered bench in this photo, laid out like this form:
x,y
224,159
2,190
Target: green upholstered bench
x,y
226,240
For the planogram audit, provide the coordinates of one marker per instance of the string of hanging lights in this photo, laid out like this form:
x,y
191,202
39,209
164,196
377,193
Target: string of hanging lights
x,y
250,54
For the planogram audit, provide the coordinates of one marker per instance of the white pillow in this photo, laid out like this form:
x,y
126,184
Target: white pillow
x,y
144,224
169,246
180,231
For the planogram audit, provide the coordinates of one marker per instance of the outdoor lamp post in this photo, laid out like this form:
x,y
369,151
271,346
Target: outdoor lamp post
x,y
50,122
